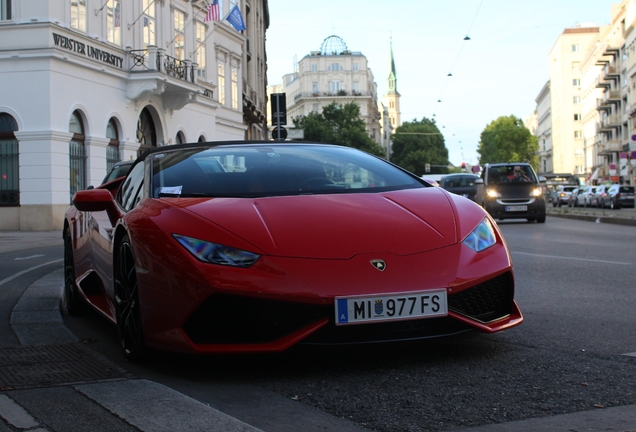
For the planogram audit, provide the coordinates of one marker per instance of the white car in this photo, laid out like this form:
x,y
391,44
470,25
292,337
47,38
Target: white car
x,y
584,197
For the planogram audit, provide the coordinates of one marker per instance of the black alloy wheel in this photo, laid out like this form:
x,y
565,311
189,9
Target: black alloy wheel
x,y
128,308
72,301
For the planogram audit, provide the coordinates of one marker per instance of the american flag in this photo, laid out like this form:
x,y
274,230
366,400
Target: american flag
x,y
214,13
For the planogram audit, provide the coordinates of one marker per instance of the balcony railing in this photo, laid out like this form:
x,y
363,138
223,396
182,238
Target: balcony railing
x,y
610,146
153,59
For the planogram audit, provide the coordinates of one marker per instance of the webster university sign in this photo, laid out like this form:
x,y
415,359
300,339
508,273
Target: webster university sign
x,y
87,50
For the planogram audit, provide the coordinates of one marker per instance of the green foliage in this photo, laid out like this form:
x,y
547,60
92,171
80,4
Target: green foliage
x,y
506,139
341,125
417,143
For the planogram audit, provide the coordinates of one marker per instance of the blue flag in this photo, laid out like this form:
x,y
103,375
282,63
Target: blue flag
x,y
236,19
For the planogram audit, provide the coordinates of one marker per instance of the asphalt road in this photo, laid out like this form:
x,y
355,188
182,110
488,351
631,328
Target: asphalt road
x,y
569,367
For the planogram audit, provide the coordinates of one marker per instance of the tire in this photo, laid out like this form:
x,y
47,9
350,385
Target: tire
x,y
72,301
128,307
541,219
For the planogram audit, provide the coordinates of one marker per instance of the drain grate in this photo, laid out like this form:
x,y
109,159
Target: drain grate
x,y
53,365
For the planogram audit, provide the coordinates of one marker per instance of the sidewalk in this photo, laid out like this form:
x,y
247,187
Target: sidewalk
x,y
52,383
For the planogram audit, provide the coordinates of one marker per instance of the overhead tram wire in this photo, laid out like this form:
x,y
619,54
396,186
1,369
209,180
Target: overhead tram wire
x,y
450,73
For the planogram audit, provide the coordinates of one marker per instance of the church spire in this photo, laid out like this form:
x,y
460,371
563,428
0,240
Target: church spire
x,y
392,75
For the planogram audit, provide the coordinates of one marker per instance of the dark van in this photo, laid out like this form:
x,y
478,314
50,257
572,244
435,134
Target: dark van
x,y
511,191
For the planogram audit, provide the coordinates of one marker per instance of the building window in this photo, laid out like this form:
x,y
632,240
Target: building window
x,y
179,138
77,154
78,15
146,132
148,6
577,117
575,65
200,50
356,87
335,67
9,162
576,99
314,107
575,47
576,82
112,150
314,67
577,134
356,66
314,87
179,34
220,70
113,21
5,10
235,92
334,87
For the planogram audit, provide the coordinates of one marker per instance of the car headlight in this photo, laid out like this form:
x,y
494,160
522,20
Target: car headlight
x,y
217,254
492,193
482,237
536,192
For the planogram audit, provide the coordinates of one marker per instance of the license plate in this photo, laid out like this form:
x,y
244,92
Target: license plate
x,y
391,307
516,208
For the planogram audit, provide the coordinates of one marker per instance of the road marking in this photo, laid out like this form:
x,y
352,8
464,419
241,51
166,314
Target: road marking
x,y
15,414
573,258
29,257
18,274
630,354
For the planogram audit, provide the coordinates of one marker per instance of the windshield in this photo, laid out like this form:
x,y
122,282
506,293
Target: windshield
x,y
511,174
263,170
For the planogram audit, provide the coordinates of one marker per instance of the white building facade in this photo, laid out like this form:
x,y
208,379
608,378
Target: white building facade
x,y
86,83
543,131
333,74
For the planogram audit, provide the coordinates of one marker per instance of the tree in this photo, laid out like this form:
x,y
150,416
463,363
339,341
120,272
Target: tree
x,y
418,143
506,139
341,125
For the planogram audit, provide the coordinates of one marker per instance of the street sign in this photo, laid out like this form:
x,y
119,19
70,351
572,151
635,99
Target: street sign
x,y
295,134
279,133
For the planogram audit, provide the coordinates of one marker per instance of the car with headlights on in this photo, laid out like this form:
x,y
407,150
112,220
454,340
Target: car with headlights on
x,y
287,243
511,191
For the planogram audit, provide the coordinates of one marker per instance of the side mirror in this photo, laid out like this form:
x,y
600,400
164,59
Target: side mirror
x,y
95,200
542,179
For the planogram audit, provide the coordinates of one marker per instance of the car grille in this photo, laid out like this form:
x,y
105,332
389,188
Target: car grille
x,y
486,302
229,319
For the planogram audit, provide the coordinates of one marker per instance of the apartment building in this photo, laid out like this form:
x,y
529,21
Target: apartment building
x,y
86,83
543,130
334,74
566,98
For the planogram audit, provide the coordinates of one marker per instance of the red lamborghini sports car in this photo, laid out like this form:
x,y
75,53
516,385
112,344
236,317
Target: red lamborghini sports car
x,y
244,247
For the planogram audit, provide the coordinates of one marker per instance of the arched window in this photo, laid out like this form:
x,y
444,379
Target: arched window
x,y
146,133
112,150
201,139
77,154
9,164
335,67
180,138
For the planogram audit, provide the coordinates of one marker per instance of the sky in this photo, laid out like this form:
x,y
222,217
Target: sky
x,y
498,72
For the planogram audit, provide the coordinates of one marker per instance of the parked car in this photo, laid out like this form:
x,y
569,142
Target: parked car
x,y
288,243
511,191
601,197
621,196
573,200
120,169
561,195
584,197
460,184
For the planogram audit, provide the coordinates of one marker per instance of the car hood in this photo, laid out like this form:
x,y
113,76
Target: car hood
x,y
336,226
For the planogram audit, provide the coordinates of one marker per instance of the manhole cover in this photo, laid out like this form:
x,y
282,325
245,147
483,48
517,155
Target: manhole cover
x,y
51,365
